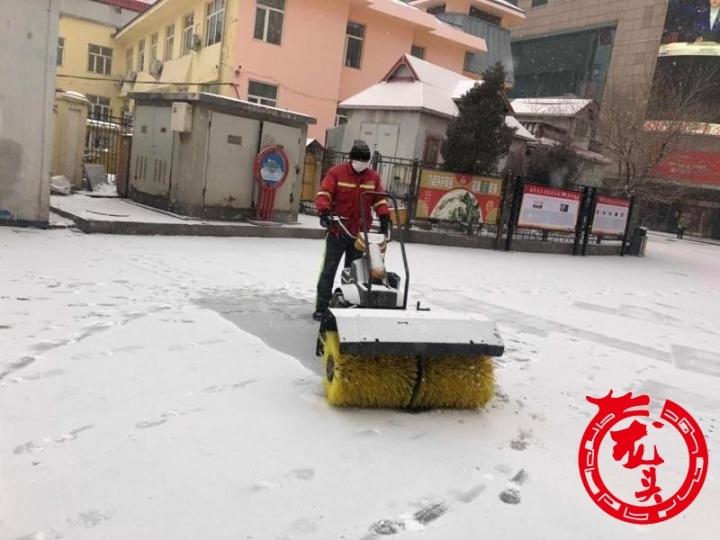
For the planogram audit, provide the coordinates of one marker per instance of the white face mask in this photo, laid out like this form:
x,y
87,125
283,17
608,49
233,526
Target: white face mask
x,y
360,166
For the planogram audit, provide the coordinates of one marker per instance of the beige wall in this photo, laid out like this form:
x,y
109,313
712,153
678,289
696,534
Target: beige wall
x,y
27,55
637,40
73,74
210,64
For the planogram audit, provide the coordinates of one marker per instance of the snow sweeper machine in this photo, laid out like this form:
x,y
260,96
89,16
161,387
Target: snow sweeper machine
x,y
379,353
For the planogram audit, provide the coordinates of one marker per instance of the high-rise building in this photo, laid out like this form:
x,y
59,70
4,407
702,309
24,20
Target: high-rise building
x,y
582,48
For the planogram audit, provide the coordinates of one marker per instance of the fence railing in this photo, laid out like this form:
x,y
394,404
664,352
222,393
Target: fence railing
x,y
104,141
491,206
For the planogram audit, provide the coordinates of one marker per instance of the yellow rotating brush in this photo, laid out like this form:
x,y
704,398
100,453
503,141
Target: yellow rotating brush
x,y
401,382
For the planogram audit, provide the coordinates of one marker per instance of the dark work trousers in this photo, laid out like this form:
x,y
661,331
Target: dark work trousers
x,y
336,245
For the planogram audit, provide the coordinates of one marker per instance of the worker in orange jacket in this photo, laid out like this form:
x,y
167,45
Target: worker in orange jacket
x,y
340,195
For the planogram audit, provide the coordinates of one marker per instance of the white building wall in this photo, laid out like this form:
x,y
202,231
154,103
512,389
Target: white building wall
x,y
27,86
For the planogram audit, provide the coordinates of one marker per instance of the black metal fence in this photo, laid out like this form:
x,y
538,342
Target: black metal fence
x,y
104,142
402,178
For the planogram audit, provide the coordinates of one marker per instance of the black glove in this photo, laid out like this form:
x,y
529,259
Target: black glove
x,y
385,224
325,220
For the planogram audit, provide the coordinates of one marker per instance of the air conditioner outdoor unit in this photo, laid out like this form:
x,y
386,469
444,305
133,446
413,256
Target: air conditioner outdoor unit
x,y
156,67
131,77
196,42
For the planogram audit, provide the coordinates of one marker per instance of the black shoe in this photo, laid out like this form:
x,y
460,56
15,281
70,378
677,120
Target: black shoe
x,y
319,315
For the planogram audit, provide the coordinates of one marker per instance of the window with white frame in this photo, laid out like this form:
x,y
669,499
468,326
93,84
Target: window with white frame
x,y
154,46
269,16
61,51
141,56
99,106
214,22
262,93
129,60
99,59
169,42
188,33
354,44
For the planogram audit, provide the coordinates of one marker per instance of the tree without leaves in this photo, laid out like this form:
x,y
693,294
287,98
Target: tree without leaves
x,y
478,137
638,146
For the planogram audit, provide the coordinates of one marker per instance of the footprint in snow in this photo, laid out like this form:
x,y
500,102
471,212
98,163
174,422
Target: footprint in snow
x,y
522,441
304,475
32,447
215,389
511,495
164,417
91,519
419,520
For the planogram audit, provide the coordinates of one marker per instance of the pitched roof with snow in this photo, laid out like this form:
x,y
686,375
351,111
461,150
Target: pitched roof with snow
x,y
416,85
550,106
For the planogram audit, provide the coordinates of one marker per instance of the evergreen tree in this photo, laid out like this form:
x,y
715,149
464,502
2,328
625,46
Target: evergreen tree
x,y
478,137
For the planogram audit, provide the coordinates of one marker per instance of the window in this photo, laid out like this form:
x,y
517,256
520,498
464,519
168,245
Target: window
x,y
431,154
99,59
99,106
154,47
262,93
60,51
573,63
436,10
269,16
475,13
536,3
418,52
129,60
188,33
215,22
340,119
141,56
472,63
169,42
354,38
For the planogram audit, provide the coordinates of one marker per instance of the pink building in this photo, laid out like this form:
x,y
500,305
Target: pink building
x,y
301,55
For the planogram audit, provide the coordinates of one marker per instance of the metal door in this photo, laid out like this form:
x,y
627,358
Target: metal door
x,y
231,156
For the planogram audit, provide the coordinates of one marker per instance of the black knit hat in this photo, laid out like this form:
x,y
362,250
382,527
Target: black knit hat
x,y
360,151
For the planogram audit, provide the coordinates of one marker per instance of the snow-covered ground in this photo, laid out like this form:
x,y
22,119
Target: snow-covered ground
x,y
166,388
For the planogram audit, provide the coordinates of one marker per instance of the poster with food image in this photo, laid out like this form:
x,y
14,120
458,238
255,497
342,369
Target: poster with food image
x,y
446,196
549,209
611,216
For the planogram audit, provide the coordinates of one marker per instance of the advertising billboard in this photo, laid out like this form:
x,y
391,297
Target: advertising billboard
x,y
701,168
611,216
692,28
685,83
447,196
549,209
